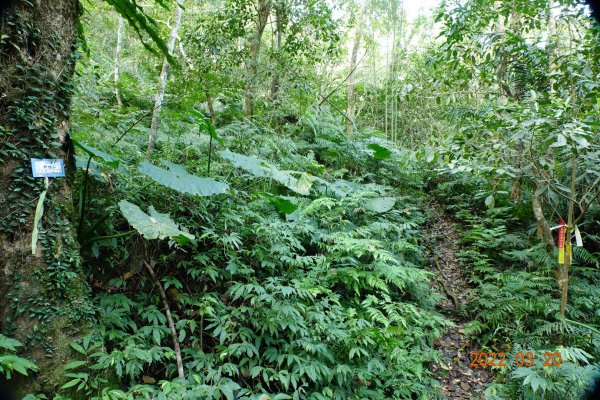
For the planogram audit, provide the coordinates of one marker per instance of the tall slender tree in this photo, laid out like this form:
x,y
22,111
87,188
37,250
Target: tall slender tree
x,y
351,81
162,79
263,10
118,61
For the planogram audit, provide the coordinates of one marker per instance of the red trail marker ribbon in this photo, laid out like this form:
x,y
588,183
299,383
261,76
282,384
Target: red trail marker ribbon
x,y
561,241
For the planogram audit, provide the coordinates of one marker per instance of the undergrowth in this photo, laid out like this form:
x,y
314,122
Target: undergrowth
x,y
278,296
514,306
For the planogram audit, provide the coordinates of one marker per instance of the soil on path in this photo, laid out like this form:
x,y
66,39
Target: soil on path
x,y
457,379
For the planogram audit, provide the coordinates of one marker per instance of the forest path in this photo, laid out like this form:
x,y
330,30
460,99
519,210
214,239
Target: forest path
x,y
458,380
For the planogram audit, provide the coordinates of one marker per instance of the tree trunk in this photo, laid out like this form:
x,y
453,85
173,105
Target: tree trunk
x,y
44,297
278,40
515,190
351,82
162,81
211,108
564,272
118,61
264,9
538,212
552,46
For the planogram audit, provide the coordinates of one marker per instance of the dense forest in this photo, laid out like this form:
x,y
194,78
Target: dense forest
x,y
299,199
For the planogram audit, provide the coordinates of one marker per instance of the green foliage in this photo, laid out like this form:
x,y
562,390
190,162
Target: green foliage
x,y
206,125
11,363
177,178
109,159
381,204
299,182
143,24
323,296
154,225
514,304
379,152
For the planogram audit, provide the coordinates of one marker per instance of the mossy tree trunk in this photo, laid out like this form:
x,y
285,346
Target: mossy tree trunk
x,y
44,298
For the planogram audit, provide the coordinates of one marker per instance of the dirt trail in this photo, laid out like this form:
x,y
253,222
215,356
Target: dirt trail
x,y
458,380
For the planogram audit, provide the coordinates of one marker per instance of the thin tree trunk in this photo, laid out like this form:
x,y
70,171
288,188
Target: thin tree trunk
x,y
174,337
44,311
538,211
162,81
264,9
278,40
564,272
392,75
211,108
386,90
118,61
552,46
515,190
351,82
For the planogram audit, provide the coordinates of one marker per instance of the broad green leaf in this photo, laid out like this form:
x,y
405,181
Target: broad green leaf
x,y
561,141
343,188
283,204
228,388
175,168
207,126
9,343
93,170
153,225
380,204
74,365
299,182
107,158
490,201
180,180
379,152
431,156
16,363
39,212
71,383
253,165
77,347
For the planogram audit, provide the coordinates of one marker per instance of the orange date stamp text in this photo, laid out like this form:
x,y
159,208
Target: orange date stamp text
x,y
522,359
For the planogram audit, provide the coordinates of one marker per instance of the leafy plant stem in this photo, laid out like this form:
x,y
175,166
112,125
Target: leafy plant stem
x,y
210,146
163,297
83,197
97,238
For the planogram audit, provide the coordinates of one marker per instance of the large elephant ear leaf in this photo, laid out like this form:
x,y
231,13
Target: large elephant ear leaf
x,y
153,225
299,182
177,178
342,188
380,204
255,166
98,154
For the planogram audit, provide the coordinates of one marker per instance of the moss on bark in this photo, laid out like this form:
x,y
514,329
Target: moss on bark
x,y
44,297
